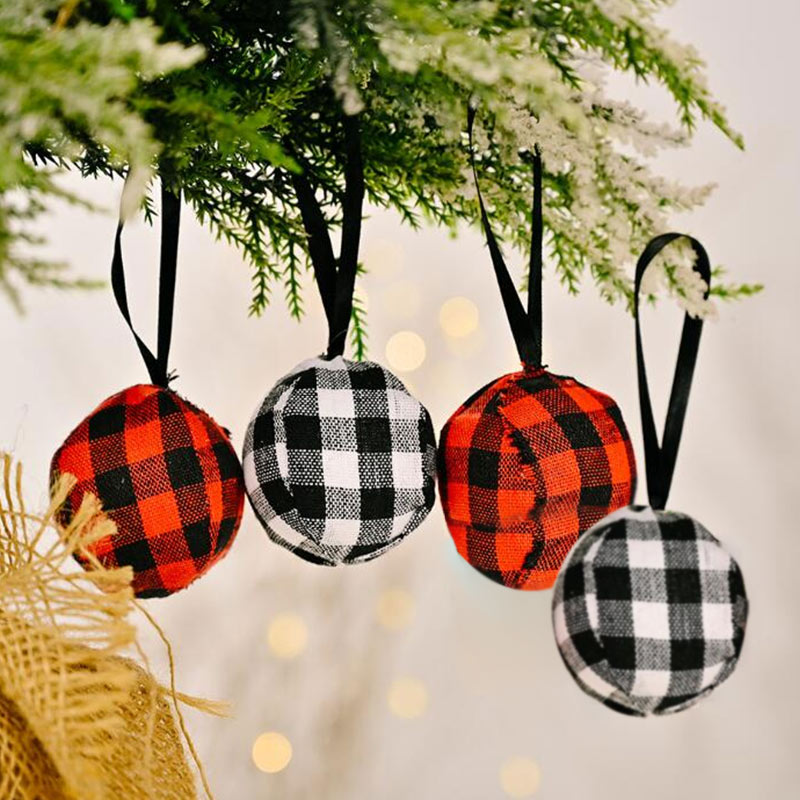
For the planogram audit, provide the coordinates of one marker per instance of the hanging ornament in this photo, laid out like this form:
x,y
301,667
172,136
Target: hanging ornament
x,y
339,459
163,470
533,459
649,610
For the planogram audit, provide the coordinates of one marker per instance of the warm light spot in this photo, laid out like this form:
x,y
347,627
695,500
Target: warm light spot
x,y
520,777
458,317
402,300
382,257
272,752
408,698
287,635
405,351
395,609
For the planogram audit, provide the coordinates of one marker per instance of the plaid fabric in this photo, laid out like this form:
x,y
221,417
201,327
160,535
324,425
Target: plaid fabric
x,y
649,612
167,475
339,461
526,465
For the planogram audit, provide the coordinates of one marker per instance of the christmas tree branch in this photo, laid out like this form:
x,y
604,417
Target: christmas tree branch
x,y
216,88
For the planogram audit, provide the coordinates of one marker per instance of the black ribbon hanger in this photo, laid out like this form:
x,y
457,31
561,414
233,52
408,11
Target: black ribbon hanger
x,y
336,278
660,458
170,229
526,325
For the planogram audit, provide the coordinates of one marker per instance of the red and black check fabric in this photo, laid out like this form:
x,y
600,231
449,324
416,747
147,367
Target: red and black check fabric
x,y
526,465
167,475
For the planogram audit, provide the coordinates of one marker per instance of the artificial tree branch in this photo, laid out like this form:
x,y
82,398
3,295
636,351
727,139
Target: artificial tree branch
x,y
65,13
216,86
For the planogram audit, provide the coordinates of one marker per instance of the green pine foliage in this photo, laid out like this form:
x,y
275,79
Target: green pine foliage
x,y
226,98
66,90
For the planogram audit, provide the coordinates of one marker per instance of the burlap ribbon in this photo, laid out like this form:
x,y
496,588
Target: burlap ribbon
x,y
78,719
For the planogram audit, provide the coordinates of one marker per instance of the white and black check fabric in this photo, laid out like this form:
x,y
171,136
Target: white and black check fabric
x,y
649,611
339,461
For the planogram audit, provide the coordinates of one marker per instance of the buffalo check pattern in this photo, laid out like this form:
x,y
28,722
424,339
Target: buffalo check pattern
x,y
169,478
526,465
339,461
649,612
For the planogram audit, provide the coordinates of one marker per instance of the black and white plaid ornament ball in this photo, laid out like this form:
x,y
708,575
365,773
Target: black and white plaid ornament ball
x,y
649,611
339,461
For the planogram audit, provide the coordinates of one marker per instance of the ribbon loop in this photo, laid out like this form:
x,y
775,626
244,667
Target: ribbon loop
x,y
157,365
320,249
526,326
336,278
535,264
351,237
660,458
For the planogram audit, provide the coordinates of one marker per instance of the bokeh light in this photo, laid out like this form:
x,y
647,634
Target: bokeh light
x,y
407,698
272,752
287,635
401,300
395,609
459,317
382,257
405,351
520,777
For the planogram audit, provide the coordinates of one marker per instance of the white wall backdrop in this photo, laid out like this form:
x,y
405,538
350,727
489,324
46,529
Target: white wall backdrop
x,y
487,683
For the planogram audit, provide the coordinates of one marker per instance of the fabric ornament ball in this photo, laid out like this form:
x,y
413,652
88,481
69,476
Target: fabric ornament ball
x,y
526,465
533,459
649,612
167,475
339,461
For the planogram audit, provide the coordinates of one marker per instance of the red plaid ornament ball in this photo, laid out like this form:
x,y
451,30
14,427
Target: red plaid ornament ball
x,y
526,465
533,459
167,475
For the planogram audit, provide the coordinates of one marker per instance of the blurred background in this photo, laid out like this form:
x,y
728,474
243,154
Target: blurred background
x,y
414,676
